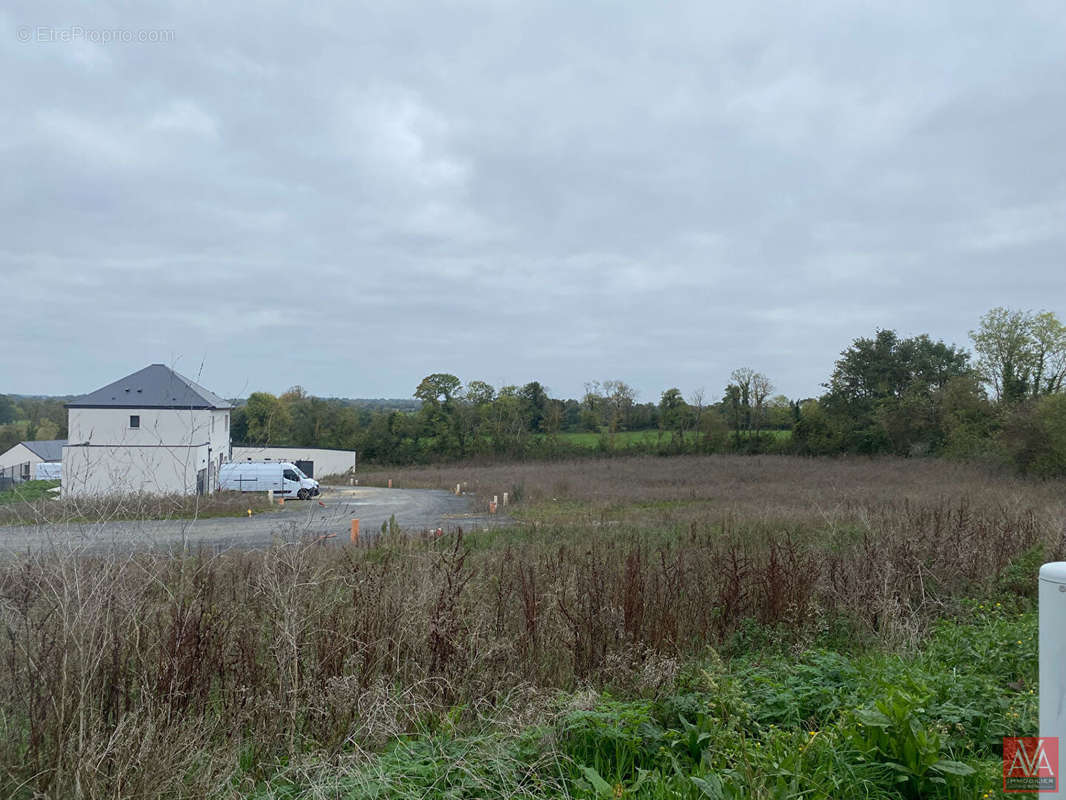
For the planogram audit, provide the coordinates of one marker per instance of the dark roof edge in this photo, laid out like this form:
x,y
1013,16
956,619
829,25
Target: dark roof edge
x,y
45,449
134,408
158,386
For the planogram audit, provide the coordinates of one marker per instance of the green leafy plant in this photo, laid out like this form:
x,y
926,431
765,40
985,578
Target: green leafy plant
x,y
616,739
693,739
893,734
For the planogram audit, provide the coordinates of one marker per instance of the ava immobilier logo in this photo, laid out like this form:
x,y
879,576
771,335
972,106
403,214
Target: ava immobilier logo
x,y
1030,764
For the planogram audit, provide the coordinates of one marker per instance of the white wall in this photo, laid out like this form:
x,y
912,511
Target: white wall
x,y
161,455
123,469
218,441
327,462
165,426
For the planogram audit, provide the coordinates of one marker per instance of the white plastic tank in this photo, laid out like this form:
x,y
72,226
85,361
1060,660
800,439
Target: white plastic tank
x,y
48,471
1052,600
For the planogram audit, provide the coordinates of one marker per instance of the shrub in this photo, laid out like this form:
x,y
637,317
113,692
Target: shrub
x,y
1035,436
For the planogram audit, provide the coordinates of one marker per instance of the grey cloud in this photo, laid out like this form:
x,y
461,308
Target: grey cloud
x,y
515,190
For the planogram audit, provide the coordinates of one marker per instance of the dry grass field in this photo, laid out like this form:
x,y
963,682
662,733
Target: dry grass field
x,y
786,489
250,673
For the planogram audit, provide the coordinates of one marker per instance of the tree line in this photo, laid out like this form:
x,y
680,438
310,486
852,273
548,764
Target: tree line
x,y
1002,402
455,421
28,419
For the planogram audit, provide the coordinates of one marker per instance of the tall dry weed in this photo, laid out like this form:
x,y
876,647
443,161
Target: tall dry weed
x,y
189,675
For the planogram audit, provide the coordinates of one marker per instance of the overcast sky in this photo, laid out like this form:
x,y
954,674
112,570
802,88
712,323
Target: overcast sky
x,y
352,197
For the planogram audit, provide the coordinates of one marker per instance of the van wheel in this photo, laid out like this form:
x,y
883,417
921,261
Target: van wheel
x,y
302,494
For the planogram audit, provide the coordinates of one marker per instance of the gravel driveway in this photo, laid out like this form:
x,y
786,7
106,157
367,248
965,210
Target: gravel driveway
x,y
414,509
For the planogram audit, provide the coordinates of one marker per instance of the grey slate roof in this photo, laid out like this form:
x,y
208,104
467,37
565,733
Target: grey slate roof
x,y
155,386
47,449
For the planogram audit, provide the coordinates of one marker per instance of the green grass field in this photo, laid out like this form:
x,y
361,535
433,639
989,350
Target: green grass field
x,y
28,492
649,437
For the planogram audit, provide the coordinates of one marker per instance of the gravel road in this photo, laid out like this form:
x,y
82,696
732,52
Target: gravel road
x,y
414,509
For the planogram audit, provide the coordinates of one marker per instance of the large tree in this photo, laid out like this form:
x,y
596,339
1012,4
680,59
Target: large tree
x,y
744,403
479,393
1049,353
440,388
8,410
620,399
534,405
760,391
676,416
733,409
267,418
1021,354
884,392
441,416
887,366
742,377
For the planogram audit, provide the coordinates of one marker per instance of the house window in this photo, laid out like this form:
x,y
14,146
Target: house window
x,y
135,421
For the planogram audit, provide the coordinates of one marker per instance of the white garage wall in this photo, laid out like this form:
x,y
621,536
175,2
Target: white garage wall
x,y
327,462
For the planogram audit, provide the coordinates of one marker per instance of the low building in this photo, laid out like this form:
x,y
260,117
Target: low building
x,y
154,431
20,462
315,462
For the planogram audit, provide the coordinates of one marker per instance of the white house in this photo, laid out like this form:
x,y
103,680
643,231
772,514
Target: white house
x,y
153,431
20,462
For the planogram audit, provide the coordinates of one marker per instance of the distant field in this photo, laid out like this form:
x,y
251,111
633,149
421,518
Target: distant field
x,y
649,437
621,439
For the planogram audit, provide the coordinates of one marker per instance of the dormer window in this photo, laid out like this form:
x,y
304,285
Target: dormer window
x,y
135,421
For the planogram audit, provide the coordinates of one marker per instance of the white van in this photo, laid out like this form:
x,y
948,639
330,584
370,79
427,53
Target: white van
x,y
281,477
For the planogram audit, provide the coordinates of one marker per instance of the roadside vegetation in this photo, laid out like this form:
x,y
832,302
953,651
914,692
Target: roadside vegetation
x,y
32,503
692,627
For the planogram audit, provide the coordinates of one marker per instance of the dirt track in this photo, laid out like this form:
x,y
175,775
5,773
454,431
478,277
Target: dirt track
x,y
414,509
